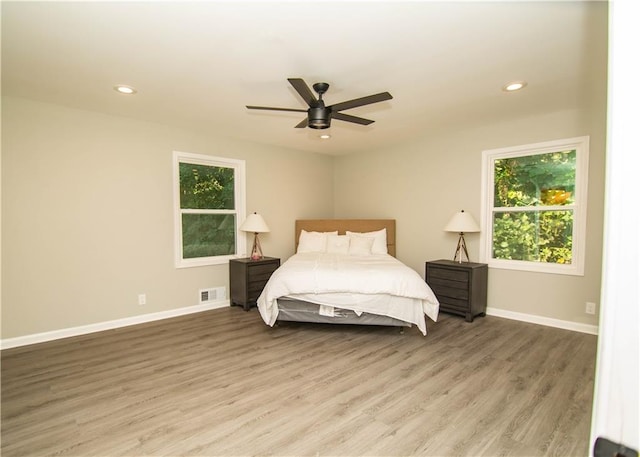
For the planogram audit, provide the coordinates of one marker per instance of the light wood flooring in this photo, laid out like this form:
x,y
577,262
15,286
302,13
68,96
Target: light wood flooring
x,y
223,383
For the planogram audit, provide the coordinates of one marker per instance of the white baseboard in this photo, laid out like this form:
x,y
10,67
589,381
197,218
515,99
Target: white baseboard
x,y
141,319
540,320
108,325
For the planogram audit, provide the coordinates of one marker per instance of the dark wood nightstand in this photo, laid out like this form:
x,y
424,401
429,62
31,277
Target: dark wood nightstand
x,y
248,277
461,288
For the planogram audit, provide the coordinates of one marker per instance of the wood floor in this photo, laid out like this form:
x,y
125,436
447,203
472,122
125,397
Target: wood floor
x,y
223,383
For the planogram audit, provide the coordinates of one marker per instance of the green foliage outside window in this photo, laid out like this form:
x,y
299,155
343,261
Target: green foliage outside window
x,y
529,221
207,235
533,236
206,187
209,190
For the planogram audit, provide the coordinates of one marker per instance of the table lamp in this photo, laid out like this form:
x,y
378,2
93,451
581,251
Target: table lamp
x,y
460,223
256,224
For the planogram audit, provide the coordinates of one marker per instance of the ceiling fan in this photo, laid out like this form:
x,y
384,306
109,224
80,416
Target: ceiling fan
x,y
318,115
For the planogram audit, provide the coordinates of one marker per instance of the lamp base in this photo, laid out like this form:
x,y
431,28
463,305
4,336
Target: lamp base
x,y
256,251
460,249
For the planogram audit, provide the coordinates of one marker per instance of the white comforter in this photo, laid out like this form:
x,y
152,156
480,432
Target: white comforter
x,y
358,283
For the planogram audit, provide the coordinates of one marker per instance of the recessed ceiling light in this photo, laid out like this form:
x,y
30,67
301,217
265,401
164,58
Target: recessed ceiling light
x,y
325,136
125,89
513,86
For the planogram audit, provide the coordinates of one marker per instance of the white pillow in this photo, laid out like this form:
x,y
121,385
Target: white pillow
x,y
360,245
379,240
313,241
338,244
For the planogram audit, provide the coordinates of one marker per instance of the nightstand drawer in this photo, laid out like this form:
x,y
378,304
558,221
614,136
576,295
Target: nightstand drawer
x,y
449,275
448,302
253,286
441,283
450,292
262,272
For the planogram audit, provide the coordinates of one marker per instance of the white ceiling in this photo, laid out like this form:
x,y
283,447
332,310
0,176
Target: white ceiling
x,y
197,64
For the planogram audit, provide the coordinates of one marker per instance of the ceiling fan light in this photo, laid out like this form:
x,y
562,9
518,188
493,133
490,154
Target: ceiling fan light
x,y
319,124
319,118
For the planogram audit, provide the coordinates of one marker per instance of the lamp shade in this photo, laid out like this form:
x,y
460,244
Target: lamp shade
x,y
462,222
254,223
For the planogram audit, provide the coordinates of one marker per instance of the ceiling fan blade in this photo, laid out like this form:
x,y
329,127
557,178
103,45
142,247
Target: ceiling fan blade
x,y
277,109
303,124
301,87
382,96
349,118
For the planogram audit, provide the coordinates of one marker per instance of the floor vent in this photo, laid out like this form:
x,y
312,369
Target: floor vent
x,y
212,294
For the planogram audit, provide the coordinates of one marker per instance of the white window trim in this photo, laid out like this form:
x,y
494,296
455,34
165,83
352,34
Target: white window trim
x,y
581,146
240,203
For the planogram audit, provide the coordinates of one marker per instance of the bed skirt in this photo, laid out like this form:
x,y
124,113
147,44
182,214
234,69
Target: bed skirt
x,y
302,311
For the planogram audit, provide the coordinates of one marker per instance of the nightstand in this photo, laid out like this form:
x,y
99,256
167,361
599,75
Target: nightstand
x,y
248,277
461,288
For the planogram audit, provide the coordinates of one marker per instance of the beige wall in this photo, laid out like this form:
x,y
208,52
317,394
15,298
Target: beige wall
x,y
87,221
422,184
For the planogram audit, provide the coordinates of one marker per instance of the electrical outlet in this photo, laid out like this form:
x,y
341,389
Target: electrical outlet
x,y
590,308
142,299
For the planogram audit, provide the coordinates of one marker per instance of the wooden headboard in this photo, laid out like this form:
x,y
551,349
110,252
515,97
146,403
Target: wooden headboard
x,y
354,225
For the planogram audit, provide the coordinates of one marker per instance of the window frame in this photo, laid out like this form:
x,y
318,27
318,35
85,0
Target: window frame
x,y
579,207
239,200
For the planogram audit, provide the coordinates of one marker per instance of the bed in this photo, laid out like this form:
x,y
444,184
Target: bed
x,y
344,271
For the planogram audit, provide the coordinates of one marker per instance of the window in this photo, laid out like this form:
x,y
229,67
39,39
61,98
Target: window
x,y
534,206
209,199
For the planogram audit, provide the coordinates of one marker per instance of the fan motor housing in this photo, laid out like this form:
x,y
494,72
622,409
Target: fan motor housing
x,y
319,117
